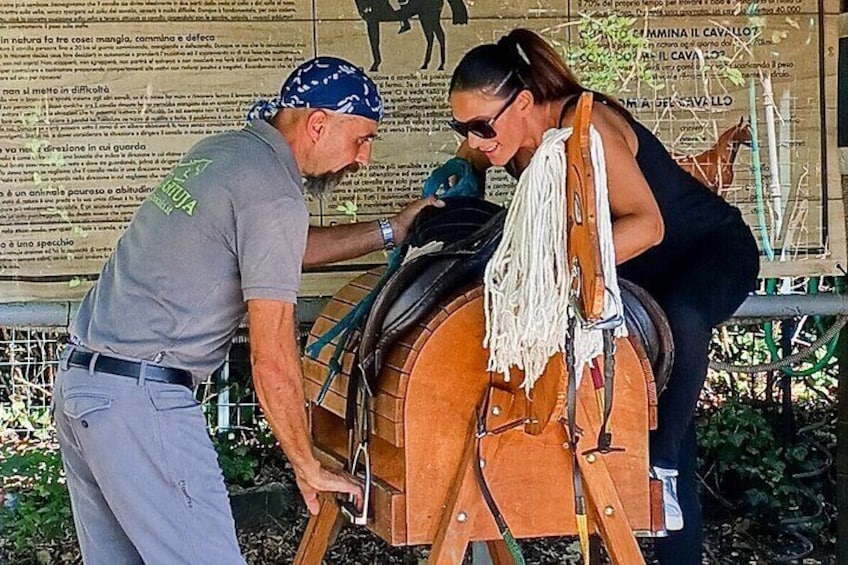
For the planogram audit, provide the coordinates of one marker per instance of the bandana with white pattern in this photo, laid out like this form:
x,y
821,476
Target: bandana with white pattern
x,y
324,82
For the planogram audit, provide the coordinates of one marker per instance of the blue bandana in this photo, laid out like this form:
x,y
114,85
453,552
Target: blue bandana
x,y
324,82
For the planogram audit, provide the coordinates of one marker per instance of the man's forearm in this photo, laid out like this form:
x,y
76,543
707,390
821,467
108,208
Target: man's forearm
x,y
279,389
340,243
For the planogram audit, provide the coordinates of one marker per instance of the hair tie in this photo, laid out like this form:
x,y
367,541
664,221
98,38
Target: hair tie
x,y
522,54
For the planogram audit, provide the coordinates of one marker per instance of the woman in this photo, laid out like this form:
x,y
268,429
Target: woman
x,y
686,246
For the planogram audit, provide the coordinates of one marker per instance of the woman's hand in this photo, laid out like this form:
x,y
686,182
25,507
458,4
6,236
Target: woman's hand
x,y
454,178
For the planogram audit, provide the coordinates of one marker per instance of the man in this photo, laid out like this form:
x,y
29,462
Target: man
x,y
224,234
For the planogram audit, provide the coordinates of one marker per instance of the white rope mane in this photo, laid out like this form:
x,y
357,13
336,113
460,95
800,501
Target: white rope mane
x,y
528,280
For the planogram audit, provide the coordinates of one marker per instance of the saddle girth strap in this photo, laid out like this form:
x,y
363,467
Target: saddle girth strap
x,y
481,410
604,434
573,431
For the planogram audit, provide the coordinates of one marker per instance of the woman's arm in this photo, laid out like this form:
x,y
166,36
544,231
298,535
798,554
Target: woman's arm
x,y
637,223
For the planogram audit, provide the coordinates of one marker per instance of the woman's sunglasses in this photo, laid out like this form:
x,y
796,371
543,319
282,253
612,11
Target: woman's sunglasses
x,y
482,128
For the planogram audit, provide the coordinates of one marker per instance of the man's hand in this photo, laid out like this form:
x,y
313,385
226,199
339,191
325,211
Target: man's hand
x,y
323,480
402,221
279,386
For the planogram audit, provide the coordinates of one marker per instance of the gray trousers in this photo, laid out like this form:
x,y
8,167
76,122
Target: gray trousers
x,y
142,472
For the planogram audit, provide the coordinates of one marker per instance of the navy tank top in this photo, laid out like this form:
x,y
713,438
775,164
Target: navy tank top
x,y
693,216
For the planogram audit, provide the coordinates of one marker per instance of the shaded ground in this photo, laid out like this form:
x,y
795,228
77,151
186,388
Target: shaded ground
x,y
728,542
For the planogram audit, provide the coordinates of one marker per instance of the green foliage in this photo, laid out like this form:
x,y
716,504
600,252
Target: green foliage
x,y
41,512
238,462
745,462
349,208
15,415
610,55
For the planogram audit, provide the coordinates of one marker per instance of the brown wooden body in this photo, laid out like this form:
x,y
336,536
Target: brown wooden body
x,y
428,388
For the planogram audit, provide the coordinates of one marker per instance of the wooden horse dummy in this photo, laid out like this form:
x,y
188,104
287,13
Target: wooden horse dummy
x,y
457,453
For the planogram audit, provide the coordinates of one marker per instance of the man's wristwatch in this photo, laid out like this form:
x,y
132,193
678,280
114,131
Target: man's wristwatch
x,y
388,234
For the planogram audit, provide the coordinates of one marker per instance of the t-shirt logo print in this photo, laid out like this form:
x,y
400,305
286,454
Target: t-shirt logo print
x,y
171,193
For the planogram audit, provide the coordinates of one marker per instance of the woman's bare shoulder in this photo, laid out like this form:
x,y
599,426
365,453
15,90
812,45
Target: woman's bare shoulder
x,y
610,122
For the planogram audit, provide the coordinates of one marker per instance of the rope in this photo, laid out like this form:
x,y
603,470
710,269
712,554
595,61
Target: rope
x,y
528,281
793,359
523,324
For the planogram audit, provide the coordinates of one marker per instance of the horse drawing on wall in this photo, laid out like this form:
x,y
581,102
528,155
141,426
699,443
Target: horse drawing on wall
x,y
373,12
714,167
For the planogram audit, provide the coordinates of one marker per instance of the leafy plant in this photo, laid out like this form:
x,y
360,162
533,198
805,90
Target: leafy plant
x,y
744,460
349,208
238,463
37,507
15,415
611,55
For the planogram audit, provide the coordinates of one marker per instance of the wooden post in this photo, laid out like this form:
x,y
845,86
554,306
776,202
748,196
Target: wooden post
x,y
464,498
603,500
499,553
320,532
456,523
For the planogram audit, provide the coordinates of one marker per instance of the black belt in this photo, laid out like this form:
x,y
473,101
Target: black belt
x,y
124,368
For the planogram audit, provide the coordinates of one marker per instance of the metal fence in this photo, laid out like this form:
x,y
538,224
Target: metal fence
x,y
28,364
28,361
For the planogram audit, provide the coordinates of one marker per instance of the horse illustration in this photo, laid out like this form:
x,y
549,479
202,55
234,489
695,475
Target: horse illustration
x,y
714,167
429,14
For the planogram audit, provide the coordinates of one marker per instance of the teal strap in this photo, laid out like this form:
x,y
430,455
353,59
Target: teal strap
x,y
345,327
352,318
438,183
514,548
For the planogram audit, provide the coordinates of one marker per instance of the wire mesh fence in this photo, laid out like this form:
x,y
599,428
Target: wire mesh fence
x,y
28,363
29,359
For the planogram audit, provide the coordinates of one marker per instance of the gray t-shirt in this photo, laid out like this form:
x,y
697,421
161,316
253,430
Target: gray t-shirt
x,y
228,224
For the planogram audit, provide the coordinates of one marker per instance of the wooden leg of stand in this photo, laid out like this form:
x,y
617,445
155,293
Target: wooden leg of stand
x,y
607,509
499,552
465,503
456,522
320,530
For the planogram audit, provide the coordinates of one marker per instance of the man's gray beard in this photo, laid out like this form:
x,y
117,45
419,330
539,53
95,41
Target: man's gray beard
x,y
323,185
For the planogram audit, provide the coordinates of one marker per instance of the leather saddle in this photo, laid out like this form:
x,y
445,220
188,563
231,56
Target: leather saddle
x,y
471,229
647,324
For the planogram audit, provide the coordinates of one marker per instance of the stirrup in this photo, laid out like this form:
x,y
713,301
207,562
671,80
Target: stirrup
x,y
348,506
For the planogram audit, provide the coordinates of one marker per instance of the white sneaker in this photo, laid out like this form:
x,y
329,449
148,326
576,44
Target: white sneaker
x,y
671,507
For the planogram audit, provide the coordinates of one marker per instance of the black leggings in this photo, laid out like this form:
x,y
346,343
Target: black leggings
x,y
699,291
